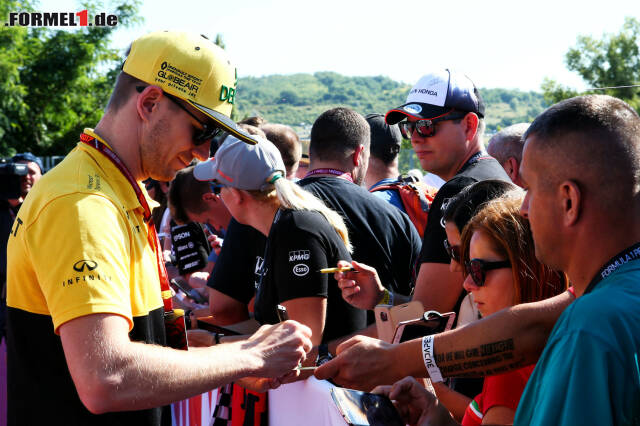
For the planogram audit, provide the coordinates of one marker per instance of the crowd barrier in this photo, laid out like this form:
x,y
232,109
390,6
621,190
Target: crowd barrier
x,y
307,402
195,411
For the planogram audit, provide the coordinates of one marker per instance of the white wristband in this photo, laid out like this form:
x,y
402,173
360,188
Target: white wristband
x,y
429,362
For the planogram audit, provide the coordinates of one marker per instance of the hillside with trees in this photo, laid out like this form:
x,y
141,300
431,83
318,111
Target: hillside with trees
x,y
298,99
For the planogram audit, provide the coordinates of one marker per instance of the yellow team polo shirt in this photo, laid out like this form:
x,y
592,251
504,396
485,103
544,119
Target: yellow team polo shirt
x,y
78,247
79,244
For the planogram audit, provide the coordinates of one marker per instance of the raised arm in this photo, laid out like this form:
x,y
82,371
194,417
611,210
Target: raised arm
x,y
501,342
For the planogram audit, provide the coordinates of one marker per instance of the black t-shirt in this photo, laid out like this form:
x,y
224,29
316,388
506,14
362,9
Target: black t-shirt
x,y
300,243
237,270
190,246
483,168
382,236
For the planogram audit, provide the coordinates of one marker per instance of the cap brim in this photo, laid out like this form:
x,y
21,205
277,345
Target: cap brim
x,y
204,171
427,111
227,124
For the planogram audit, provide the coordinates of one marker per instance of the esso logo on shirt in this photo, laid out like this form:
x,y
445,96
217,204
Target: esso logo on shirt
x,y
300,270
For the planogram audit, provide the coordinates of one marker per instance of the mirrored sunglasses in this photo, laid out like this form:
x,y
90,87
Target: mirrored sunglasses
x,y
426,128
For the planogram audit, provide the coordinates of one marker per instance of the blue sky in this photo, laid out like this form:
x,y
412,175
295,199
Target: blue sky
x,y
511,44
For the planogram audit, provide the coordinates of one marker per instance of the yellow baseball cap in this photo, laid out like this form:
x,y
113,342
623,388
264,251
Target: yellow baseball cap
x,y
190,67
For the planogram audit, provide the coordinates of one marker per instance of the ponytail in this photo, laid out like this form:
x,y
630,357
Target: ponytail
x,y
290,195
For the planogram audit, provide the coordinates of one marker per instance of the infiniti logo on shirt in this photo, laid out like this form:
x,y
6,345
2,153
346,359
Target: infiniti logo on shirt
x,y
81,265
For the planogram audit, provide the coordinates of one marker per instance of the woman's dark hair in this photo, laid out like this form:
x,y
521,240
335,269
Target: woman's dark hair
x,y
463,206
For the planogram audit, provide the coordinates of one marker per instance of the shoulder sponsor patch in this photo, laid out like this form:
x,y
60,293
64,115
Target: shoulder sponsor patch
x,y
298,255
300,270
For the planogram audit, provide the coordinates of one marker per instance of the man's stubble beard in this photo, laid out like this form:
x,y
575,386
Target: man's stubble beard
x,y
152,153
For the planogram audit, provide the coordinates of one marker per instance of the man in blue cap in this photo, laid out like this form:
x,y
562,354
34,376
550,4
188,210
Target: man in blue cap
x,y
8,210
34,171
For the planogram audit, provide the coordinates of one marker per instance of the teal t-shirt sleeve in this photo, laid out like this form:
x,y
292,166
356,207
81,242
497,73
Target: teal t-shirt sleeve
x,y
575,390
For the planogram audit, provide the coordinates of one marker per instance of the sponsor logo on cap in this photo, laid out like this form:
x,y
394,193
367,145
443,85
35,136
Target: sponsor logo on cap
x,y
300,270
413,108
424,92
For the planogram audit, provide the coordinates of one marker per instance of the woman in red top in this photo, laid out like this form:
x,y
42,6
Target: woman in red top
x,y
498,255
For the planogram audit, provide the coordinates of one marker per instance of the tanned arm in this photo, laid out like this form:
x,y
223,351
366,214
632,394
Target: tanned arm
x,y
112,373
504,341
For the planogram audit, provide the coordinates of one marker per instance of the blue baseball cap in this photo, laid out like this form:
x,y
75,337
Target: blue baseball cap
x,y
27,156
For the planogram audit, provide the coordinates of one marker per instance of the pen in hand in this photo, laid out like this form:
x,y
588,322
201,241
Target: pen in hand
x,y
283,315
339,269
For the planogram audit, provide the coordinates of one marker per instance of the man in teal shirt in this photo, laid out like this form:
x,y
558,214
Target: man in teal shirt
x,y
581,170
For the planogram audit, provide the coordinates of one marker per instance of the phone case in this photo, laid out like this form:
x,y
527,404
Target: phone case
x,y
388,317
442,322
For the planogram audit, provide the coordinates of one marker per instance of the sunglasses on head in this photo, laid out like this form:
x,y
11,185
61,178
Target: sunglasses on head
x,y
427,128
478,268
452,251
200,136
215,187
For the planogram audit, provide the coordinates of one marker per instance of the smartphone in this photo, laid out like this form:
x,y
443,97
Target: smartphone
x,y
362,408
431,322
189,291
388,317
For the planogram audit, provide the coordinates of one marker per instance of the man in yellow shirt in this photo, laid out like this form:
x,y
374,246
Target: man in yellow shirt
x,y
86,333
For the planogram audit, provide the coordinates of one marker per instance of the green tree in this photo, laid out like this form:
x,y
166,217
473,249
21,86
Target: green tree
x,y
57,81
611,61
219,41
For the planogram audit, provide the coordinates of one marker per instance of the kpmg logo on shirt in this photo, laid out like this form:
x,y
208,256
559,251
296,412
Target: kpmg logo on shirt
x,y
82,265
300,270
295,256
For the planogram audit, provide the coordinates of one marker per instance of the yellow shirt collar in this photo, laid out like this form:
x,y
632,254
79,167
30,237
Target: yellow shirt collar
x,y
117,180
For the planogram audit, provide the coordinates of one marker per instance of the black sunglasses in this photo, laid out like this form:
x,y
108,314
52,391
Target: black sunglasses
x,y
215,187
478,268
426,128
452,251
200,136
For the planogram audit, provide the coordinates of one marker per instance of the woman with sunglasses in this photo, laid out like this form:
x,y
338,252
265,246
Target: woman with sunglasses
x,y
458,212
303,236
502,271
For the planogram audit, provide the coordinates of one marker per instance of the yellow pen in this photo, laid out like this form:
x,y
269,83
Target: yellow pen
x,y
341,269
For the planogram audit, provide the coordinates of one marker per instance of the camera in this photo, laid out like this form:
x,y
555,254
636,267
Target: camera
x,y
10,176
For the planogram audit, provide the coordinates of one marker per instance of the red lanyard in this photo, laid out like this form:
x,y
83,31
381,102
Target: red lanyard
x,y
335,172
152,235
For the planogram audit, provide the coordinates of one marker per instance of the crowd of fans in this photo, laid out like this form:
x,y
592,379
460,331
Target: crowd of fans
x,y
530,240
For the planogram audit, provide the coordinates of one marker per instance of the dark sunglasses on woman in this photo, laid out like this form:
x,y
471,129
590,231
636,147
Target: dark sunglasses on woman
x,y
452,251
478,268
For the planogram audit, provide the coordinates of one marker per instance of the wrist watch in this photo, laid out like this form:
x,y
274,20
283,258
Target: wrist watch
x,y
323,354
